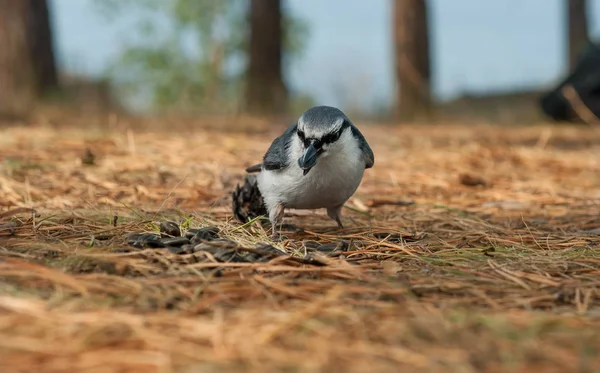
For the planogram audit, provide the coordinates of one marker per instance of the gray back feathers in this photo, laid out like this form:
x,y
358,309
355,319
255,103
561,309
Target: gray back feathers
x,y
364,147
276,157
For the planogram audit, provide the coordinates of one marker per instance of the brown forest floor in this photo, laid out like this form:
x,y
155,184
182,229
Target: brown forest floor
x,y
498,277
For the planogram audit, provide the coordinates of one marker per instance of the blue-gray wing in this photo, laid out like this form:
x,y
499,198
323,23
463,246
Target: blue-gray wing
x,y
276,158
364,147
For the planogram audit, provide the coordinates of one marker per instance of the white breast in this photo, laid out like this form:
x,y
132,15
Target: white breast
x,y
333,180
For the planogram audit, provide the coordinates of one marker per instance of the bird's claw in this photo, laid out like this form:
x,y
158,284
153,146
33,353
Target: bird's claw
x,y
277,237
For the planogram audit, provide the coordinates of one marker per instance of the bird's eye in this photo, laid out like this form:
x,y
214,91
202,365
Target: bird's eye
x,y
301,135
331,137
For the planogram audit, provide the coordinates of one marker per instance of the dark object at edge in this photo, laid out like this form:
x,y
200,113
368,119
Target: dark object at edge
x,y
585,80
247,202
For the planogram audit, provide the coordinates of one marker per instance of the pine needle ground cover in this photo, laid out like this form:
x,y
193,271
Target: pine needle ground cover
x,y
466,249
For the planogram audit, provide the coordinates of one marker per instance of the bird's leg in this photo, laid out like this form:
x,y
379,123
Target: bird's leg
x,y
276,218
352,220
335,213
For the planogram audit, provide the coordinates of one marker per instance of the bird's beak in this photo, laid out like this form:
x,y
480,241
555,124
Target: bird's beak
x,y
310,156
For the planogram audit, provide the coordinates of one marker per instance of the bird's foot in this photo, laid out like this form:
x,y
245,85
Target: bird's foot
x,y
288,227
276,217
277,237
352,220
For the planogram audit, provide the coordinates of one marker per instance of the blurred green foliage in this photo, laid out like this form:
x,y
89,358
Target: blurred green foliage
x,y
189,56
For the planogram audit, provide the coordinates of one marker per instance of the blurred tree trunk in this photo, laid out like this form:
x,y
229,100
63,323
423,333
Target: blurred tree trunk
x,y
266,92
27,65
411,37
577,24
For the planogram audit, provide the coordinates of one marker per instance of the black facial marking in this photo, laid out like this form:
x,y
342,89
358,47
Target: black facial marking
x,y
332,137
326,139
318,144
335,136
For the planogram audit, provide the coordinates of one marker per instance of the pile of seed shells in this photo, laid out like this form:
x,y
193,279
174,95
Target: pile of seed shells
x,y
207,240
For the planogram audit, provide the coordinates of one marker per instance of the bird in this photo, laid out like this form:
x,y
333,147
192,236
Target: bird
x,y
318,162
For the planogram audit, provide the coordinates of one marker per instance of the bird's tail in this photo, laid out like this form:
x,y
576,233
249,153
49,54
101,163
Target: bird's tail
x,y
247,202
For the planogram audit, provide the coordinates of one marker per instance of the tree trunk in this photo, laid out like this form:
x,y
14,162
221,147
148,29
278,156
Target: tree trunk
x,y
27,66
411,37
266,92
577,24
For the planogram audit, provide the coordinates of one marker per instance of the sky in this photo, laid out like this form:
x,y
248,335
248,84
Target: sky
x,y
476,45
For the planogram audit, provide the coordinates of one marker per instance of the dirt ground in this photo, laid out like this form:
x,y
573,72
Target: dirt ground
x,y
466,249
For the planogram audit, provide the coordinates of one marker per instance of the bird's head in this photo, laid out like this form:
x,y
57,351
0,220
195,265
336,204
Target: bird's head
x,y
319,130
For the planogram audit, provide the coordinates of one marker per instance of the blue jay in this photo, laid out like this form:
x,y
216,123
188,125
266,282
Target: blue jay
x,y
318,162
